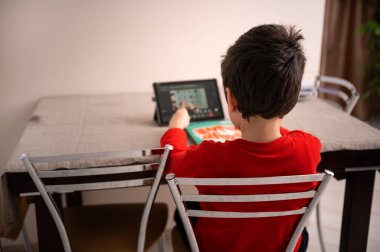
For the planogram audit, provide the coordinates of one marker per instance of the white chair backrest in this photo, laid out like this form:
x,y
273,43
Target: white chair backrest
x,y
146,173
349,98
181,198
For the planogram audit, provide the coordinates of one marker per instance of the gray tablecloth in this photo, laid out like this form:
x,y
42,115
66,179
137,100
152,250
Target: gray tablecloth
x,y
122,122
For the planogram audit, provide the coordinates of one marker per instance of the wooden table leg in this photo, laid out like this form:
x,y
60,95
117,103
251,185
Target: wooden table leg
x,y
357,211
48,236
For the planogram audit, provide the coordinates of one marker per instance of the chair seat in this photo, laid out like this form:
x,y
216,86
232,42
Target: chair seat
x,y
112,228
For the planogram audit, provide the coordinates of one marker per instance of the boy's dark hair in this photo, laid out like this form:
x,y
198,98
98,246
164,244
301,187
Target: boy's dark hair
x,y
264,69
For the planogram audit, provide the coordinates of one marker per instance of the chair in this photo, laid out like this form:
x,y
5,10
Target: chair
x,y
340,90
181,198
112,227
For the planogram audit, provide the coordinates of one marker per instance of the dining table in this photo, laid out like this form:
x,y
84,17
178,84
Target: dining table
x,y
70,124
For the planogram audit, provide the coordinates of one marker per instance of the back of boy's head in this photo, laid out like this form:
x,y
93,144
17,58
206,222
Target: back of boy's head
x,y
264,69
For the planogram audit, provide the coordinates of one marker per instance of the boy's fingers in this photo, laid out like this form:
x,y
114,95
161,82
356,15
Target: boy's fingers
x,y
183,104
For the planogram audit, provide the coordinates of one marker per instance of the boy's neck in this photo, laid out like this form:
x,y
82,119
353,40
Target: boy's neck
x,y
260,130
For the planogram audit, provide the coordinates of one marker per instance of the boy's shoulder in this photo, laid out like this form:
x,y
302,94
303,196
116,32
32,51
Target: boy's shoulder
x,y
305,142
302,134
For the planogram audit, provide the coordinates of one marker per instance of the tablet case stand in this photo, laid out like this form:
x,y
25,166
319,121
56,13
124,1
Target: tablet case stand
x,y
155,117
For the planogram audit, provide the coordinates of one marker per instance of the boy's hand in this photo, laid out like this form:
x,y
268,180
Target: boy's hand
x,y
180,119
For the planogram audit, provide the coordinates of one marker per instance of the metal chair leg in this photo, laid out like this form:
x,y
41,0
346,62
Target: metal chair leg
x,y
162,243
319,227
25,237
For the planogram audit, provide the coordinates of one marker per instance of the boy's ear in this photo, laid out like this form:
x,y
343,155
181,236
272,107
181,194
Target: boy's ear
x,y
231,101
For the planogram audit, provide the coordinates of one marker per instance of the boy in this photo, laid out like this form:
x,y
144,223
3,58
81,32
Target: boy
x,y
262,75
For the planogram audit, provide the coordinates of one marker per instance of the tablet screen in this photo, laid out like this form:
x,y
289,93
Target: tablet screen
x,y
201,98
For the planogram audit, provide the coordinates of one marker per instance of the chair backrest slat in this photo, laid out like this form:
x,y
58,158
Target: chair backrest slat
x,y
99,185
335,92
250,181
180,198
336,80
247,198
97,171
97,155
241,215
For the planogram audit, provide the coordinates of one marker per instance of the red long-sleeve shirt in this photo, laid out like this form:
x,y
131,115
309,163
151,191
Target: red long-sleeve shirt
x,y
296,152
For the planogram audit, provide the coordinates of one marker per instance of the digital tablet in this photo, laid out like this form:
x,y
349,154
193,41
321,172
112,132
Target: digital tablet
x,y
200,97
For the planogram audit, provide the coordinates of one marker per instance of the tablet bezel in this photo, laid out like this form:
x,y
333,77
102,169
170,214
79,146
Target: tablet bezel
x,y
158,116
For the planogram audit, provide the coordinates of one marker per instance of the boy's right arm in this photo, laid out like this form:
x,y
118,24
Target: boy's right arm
x,y
175,135
180,159
180,119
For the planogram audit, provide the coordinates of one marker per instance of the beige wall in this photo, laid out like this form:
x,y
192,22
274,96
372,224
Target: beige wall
x,y
66,47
